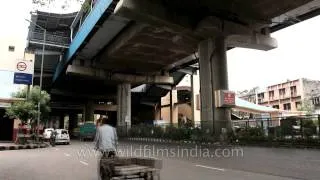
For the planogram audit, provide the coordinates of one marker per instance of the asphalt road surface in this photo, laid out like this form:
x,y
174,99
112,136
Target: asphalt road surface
x,y
78,161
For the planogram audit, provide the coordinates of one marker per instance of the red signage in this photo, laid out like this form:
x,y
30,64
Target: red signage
x,y
229,98
21,66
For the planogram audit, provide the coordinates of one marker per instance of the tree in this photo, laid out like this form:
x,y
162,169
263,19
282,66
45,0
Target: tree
x,y
28,109
64,3
306,106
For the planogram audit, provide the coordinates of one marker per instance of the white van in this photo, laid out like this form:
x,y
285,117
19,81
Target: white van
x,y
47,133
62,136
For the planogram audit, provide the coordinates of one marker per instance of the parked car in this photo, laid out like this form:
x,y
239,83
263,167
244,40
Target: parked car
x,y
62,136
47,133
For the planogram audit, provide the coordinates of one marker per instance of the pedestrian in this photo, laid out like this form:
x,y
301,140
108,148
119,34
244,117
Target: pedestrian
x,y
99,121
106,143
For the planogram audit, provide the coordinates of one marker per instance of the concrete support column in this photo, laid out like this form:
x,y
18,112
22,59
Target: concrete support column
x,y
89,111
61,121
124,105
219,72
205,50
171,108
192,98
72,122
160,107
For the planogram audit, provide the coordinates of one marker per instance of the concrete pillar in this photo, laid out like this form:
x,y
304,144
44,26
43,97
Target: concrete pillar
x,y
205,50
89,111
171,108
219,74
160,114
61,121
72,122
124,105
192,98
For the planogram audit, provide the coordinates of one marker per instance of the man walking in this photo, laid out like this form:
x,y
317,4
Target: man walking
x,y
106,142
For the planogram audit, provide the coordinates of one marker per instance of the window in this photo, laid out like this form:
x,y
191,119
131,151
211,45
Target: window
x,y
271,94
276,106
293,90
287,106
316,101
260,97
298,105
11,48
282,92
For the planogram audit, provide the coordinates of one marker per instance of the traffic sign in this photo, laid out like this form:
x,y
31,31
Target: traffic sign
x,y
22,78
21,66
23,72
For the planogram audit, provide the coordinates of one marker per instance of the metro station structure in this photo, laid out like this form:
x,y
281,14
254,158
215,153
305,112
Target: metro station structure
x,y
94,58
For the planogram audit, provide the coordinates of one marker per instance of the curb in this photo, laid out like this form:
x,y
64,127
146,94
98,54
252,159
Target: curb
x,y
19,147
158,140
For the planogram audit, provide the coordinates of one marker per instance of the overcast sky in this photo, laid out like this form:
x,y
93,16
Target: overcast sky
x,y
297,55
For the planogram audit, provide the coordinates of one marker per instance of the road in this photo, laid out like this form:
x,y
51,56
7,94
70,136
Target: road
x,y
78,161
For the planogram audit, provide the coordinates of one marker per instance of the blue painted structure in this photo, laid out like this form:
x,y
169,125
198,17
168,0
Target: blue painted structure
x,y
88,25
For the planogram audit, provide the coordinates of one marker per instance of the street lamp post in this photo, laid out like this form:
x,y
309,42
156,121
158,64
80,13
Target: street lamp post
x,y
41,73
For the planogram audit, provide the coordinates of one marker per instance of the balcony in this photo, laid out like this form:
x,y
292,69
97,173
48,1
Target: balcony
x,y
51,39
284,96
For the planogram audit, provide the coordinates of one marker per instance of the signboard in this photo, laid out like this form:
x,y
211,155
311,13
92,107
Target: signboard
x,y
225,98
23,72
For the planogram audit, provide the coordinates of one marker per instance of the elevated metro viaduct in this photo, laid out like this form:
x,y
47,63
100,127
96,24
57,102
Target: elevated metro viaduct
x,y
116,45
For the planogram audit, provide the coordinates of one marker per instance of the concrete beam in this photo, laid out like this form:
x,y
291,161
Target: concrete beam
x,y
80,95
212,26
183,61
150,13
156,14
256,41
102,107
102,74
39,52
186,71
167,87
122,39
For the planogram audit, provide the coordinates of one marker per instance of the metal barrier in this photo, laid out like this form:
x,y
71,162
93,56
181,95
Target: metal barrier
x,y
50,38
294,127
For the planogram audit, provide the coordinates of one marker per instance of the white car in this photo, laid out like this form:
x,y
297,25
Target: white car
x,y
62,136
47,133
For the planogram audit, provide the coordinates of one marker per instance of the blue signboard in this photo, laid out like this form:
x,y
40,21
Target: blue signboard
x,y
22,78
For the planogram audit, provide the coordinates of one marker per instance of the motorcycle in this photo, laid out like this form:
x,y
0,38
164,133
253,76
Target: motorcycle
x,y
53,139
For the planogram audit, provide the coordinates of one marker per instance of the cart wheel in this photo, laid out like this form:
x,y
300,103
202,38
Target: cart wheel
x,y
148,176
103,175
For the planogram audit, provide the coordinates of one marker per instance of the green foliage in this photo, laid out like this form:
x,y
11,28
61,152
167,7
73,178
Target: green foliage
x,y
309,128
48,3
287,126
251,133
23,110
306,106
86,6
28,109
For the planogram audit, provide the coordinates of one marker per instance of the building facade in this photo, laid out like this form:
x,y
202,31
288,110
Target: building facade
x,y
292,95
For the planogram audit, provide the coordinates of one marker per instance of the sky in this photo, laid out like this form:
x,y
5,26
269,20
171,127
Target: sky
x,y
14,26
297,54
